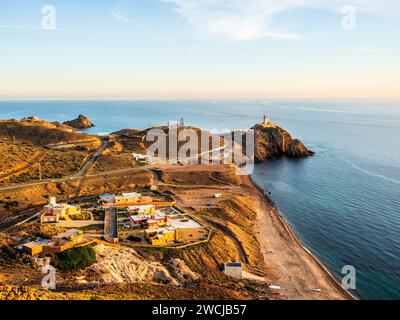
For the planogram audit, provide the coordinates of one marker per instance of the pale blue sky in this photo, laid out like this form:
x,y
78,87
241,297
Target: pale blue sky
x,y
199,49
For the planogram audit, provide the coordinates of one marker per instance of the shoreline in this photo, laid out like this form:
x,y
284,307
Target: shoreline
x,y
264,236
333,279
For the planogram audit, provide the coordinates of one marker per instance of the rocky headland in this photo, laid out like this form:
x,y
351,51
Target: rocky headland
x,y
81,122
272,142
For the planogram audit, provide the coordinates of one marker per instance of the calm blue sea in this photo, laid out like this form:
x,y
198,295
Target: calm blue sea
x,y
344,203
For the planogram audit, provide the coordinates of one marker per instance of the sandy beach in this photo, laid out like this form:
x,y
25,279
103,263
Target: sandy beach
x,y
300,273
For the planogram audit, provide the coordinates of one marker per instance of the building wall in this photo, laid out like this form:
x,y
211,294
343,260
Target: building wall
x,y
33,250
235,272
71,210
167,238
189,234
61,212
48,219
126,200
59,249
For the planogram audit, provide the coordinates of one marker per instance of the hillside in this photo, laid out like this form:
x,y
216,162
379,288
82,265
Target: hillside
x,y
22,161
32,148
40,132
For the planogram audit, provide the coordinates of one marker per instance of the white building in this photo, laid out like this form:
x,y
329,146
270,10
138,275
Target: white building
x,y
141,157
173,124
233,269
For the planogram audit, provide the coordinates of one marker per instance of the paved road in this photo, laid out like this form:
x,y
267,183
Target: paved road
x,y
91,160
80,174
110,225
73,178
28,219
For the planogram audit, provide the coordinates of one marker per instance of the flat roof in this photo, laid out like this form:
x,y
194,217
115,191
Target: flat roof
x,y
166,229
139,218
34,244
130,194
141,207
72,232
148,216
183,222
233,264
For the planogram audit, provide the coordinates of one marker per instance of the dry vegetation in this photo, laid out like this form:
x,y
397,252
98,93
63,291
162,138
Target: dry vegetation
x,y
54,164
39,132
18,203
107,162
15,155
24,150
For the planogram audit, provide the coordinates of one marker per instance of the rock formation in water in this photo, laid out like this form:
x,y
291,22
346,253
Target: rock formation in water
x,y
272,142
80,123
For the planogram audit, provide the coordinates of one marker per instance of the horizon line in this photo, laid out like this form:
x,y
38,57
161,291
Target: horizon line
x,y
192,98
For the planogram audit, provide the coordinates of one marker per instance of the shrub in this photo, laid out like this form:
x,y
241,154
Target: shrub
x,y
74,259
83,215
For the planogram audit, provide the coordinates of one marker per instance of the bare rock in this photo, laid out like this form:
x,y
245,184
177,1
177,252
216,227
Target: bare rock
x,y
80,123
272,142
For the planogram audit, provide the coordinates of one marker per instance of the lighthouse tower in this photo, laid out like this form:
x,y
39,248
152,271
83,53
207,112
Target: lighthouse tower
x,y
266,120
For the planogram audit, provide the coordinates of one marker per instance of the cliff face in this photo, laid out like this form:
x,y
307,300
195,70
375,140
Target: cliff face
x,y
80,123
272,142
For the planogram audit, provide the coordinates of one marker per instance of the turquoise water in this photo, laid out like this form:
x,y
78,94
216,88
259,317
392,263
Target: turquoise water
x,y
344,203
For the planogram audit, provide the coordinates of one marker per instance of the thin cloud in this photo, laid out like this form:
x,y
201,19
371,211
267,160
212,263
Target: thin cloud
x,y
118,12
252,19
233,19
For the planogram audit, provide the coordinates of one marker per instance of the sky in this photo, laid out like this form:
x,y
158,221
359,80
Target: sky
x,y
189,49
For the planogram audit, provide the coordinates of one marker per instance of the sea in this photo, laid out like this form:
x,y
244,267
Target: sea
x,y
343,203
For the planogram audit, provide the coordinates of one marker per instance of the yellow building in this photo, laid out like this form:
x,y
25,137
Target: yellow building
x,y
127,198
142,209
57,244
53,212
161,236
33,248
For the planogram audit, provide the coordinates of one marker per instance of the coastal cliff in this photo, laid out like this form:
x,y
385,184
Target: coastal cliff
x,y
80,123
272,142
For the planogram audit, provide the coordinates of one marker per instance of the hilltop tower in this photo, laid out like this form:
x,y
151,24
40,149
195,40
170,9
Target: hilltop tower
x,y
266,120
182,122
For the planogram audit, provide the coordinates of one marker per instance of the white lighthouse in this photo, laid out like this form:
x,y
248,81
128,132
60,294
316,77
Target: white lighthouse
x,y
266,120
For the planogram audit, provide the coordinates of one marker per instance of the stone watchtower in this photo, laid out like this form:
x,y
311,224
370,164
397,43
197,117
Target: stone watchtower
x,y
266,120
